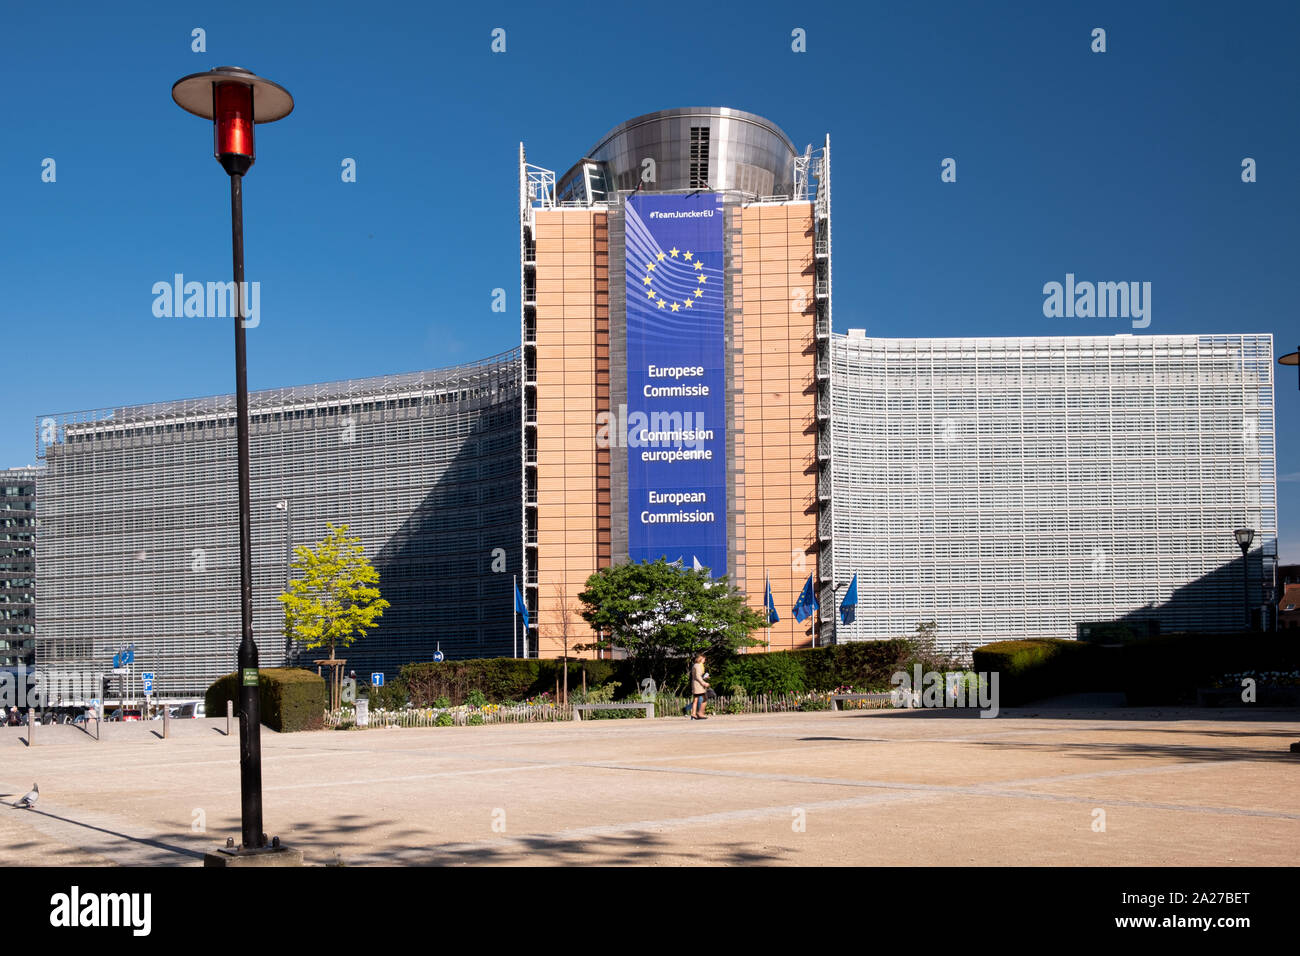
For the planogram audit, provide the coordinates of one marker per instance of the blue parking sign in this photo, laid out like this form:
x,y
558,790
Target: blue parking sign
x,y
376,680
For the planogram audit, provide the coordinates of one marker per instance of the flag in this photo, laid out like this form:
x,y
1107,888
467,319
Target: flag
x,y
807,603
129,657
769,605
117,660
520,606
849,606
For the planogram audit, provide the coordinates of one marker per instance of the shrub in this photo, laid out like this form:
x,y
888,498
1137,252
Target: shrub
x,y
1169,669
859,664
290,698
774,673
442,703
389,696
474,720
1030,670
475,698
443,720
500,679
1160,670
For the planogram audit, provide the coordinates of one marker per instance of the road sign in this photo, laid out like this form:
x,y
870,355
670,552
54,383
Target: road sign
x,y
147,680
437,657
376,679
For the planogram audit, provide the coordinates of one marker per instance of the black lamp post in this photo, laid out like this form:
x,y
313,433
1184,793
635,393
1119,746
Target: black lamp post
x,y
236,100
1244,537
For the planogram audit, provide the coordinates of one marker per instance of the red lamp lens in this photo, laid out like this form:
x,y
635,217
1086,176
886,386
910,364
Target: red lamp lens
x,y
234,119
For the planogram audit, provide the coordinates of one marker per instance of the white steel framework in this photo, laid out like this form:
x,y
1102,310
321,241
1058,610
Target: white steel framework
x,y
1011,488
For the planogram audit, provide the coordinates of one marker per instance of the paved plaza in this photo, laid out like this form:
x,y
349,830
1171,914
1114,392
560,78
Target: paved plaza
x,y
1046,787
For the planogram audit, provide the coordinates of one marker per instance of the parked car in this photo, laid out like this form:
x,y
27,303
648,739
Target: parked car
x,y
121,714
191,710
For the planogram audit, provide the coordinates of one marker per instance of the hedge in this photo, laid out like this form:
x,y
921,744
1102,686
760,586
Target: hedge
x,y
290,698
1161,670
864,664
1030,670
1169,669
504,678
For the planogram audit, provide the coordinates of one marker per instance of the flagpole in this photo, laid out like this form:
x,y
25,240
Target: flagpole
x,y
514,615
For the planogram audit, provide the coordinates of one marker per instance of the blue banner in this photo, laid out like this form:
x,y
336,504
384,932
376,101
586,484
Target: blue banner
x,y
675,427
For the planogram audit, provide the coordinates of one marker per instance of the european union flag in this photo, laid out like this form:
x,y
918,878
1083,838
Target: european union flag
x,y
520,606
770,605
129,657
807,603
849,606
117,660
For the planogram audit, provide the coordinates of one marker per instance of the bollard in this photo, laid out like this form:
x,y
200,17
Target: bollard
x,y
230,711
166,720
31,726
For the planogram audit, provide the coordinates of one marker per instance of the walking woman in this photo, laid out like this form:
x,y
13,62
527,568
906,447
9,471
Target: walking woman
x,y
699,688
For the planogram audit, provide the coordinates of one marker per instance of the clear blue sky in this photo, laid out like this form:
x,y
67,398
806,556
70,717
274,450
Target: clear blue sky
x,y
1114,166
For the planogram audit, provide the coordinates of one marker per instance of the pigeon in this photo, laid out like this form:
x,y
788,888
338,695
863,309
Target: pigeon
x,y
29,799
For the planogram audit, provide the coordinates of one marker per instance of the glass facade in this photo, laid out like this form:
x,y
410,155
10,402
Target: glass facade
x,y
17,566
1011,488
138,537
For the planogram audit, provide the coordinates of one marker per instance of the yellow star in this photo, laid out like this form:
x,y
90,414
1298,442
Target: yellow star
x,y
651,293
661,303
649,267
659,258
703,279
688,303
672,252
688,256
699,266
698,293
676,306
646,280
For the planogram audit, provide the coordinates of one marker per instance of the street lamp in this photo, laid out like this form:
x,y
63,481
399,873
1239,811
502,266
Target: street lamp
x,y
1244,537
1291,358
236,100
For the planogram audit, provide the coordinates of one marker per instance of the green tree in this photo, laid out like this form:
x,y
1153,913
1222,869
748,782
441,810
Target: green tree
x,y
662,613
336,600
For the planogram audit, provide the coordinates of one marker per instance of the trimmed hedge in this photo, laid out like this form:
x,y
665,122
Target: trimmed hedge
x,y
1169,669
503,678
864,664
290,698
1030,670
1163,670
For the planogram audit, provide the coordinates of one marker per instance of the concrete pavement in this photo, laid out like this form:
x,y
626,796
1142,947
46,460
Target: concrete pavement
x,y
1059,786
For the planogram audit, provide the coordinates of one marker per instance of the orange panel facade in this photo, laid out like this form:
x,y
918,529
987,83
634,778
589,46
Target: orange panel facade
x,y
572,377
776,407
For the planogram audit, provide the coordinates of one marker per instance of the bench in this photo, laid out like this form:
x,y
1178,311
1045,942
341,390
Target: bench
x,y
836,698
649,707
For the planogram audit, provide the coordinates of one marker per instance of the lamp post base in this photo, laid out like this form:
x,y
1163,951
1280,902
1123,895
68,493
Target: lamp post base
x,y
273,854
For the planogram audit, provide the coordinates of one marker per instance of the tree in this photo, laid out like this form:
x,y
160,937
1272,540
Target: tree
x,y
659,612
335,601
565,630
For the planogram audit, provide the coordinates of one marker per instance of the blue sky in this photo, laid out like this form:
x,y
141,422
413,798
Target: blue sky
x,y
1123,165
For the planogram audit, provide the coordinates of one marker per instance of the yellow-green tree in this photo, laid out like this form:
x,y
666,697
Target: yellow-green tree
x,y
336,600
